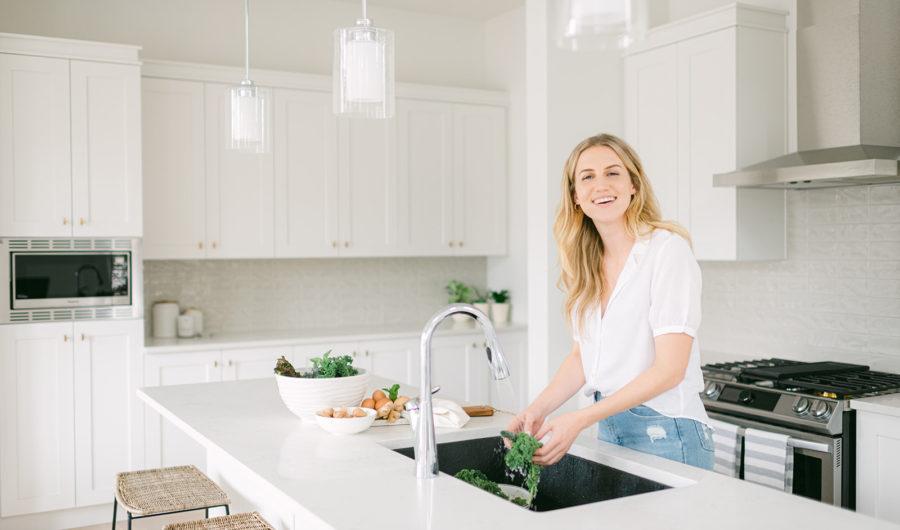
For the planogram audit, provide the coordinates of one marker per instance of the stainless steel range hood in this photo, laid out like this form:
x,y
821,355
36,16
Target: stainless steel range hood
x,y
848,100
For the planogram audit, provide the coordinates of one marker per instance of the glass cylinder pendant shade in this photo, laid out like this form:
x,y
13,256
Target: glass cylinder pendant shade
x,y
363,75
248,123
598,25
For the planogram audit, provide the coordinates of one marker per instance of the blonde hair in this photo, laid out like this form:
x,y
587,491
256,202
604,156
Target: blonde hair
x,y
580,246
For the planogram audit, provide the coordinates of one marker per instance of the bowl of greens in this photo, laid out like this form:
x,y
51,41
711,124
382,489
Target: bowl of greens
x,y
331,381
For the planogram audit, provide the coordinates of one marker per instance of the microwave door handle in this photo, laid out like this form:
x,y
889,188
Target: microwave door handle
x,y
812,446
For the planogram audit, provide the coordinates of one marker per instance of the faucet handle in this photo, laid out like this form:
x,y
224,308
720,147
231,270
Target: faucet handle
x,y
413,404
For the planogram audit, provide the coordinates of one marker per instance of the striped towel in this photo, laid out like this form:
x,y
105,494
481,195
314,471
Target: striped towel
x,y
728,448
768,459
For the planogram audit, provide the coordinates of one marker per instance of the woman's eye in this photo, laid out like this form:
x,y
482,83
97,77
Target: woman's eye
x,y
612,174
586,176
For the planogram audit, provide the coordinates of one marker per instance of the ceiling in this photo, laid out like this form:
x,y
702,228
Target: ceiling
x,y
472,9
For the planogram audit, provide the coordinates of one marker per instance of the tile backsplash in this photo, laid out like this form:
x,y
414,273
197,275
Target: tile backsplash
x,y
836,297
243,295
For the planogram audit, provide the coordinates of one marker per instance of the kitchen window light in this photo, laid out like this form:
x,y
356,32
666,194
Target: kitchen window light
x,y
363,77
248,108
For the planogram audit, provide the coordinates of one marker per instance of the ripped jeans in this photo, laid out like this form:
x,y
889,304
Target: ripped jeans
x,y
643,429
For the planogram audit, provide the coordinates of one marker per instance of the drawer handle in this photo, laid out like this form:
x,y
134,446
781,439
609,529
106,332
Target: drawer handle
x,y
367,353
65,338
346,244
334,244
200,244
460,243
81,221
82,337
214,244
450,244
215,364
65,221
229,362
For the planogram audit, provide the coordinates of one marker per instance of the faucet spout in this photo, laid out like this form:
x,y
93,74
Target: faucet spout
x,y
425,445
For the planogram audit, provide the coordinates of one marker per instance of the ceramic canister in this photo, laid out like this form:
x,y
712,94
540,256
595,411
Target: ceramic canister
x,y
198,319
165,314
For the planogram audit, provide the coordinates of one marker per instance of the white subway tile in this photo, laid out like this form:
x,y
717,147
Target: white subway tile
x,y
884,194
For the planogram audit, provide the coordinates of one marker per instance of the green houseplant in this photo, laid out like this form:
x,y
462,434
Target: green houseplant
x,y
499,306
458,292
480,301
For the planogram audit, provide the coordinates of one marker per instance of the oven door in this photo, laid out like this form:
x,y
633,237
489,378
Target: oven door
x,y
823,467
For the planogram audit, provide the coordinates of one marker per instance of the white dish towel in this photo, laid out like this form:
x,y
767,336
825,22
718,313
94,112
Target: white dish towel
x,y
768,459
727,438
446,414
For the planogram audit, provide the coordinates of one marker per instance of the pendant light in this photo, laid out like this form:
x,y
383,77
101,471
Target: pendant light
x,y
363,77
249,106
598,25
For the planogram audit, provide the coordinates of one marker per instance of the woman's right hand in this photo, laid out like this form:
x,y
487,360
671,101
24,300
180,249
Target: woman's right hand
x,y
528,421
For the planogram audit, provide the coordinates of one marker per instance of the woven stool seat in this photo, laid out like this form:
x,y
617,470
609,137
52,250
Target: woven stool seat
x,y
169,489
238,521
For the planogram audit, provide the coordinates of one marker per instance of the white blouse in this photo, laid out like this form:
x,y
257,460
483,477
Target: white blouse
x,y
657,292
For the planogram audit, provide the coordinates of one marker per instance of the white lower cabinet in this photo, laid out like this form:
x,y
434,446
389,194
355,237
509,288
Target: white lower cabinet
x,y
70,418
877,465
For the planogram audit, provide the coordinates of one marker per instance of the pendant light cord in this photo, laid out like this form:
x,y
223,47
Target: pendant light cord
x,y
247,40
364,9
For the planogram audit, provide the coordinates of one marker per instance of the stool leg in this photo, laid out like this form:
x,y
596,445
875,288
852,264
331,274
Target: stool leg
x,y
227,511
207,513
129,520
115,505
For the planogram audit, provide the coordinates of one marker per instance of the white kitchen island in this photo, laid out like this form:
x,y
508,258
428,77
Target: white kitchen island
x,y
300,477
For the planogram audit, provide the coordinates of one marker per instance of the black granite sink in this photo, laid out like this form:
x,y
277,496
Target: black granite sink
x,y
570,482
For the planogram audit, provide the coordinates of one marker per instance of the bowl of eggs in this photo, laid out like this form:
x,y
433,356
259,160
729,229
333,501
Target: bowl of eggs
x,y
345,420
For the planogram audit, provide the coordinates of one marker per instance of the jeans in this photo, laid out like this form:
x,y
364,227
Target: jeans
x,y
643,429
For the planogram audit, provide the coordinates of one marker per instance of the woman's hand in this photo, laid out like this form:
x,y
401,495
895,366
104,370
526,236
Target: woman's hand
x,y
564,429
526,421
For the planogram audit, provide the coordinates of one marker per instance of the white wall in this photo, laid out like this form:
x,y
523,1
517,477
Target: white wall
x,y
293,35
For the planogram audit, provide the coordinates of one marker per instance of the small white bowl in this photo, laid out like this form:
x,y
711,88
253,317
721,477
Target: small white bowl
x,y
349,425
514,491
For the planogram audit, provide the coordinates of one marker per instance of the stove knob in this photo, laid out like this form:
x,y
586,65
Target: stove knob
x,y
746,397
712,390
801,406
821,410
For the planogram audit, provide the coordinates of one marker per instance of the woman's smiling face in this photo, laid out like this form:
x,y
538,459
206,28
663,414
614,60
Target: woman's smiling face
x,y
603,187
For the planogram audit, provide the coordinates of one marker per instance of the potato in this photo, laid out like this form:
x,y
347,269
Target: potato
x,y
368,403
378,395
383,407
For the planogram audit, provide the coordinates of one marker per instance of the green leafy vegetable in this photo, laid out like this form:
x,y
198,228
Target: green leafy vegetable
x,y
519,458
479,479
520,501
285,368
393,392
323,366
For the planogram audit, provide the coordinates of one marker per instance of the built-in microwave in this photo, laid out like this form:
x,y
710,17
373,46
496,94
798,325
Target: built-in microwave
x,y
70,279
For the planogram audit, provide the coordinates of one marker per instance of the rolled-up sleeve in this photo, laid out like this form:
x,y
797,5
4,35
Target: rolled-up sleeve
x,y
675,290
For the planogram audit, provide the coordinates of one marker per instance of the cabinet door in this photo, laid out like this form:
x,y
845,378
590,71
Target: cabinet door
x,y
396,360
239,190
878,465
651,124
478,372
251,363
35,168
174,173
106,149
108,417
479,179
306,175
511,394
450,358
166,444
368,188
425,192
707,88
37,432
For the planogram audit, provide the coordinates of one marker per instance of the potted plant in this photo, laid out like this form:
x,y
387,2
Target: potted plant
x,y
330,382
480,301
459,293
499,306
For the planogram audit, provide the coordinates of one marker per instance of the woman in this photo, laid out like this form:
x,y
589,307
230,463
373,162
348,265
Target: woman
x,y
633,300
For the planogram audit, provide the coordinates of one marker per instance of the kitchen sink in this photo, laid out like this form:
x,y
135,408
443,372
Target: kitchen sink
x,y
570,482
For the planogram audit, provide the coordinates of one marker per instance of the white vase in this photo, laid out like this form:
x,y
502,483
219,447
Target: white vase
x,y
483,307
500,313
460,318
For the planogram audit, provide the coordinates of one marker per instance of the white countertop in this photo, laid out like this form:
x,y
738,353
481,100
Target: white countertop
x,y
237,339
357,481
888,405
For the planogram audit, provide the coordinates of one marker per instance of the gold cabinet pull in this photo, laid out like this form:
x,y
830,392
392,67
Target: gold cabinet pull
x,y
65,221
460,243
450,244
200,244
81,221
214,244
65,338
215,364
354,354
367,353
334,244
229,362
82,337
346,244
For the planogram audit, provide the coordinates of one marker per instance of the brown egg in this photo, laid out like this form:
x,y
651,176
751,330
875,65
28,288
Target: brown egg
x,y
368,403
378,395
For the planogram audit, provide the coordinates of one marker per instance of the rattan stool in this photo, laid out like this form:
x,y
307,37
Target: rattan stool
x,y
152,492
238,521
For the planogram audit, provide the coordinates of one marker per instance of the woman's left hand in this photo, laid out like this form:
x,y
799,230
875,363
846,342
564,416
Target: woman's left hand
x,y
564,429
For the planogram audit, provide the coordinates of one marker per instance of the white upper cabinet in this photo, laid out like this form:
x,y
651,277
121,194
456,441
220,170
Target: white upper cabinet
x,y
708,96
452,164
430,182
70,153
174,173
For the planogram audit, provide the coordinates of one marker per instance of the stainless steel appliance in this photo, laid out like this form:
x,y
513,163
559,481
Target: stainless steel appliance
x,y
70,279
809,403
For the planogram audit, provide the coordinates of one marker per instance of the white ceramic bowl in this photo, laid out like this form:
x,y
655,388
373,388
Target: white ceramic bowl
x,y
348,425
304,396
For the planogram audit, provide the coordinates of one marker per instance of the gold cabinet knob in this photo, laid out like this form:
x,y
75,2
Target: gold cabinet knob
x,y
82,337
334,244
81,221
65,221
200,244
229,362
460,243
354,354
214,244
367,353
450,244
65,338
346,244
215,364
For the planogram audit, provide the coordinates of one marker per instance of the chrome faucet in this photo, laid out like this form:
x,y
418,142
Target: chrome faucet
x,y
425,446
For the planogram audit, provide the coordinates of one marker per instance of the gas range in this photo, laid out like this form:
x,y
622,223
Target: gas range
x,y
808,396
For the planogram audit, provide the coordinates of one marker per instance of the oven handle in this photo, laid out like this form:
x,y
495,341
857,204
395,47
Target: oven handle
x,y
812,446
